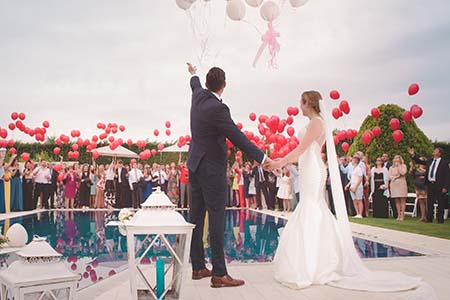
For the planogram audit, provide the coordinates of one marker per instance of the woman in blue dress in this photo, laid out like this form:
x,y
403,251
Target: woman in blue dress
x,y
148,182
16,187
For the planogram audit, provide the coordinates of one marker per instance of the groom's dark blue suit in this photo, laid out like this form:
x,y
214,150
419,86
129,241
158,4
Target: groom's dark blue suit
x,y
211,123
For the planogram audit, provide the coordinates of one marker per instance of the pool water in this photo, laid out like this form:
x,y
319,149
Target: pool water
x,y
97,251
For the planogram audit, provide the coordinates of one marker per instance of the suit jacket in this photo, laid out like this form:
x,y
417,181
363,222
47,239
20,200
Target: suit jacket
x,y
123,175
442,173
256,175
54,178
211,124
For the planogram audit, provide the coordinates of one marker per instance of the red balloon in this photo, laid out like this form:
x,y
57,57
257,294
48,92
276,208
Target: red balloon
x,y
336,140
130,142
25,156
14,116
407,116
289,120
394,123
375,112
376,131
153,152
413,89
397,135
334,94
344,107
122,128
239,125
262,118
160,147
75,147
349,134
290,111
295,111
113,145
345,146
11,126
101,126
168,124
168,132
12,151
3,143
46,124
22,116
156,132
56,150
103,136
111,139
10,143
290,131
108,130
416,111
73,133
252,116
95,154
367,137
114,130
337,113
60,177
3,133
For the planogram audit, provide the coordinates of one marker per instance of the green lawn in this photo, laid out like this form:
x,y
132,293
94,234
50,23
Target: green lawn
x,y
409,225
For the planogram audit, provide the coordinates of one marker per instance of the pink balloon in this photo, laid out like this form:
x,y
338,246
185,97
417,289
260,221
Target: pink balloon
x,y
394,123
375,112
397,135
345,146
376,131
407,116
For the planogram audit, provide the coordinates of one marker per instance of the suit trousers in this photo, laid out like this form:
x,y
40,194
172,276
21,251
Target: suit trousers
x,y
435,195
261,188
209,193
137,195
41,190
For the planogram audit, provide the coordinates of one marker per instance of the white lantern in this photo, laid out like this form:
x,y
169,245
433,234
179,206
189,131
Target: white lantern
x,y
236,10
297,3
157,219
269,11
39,274
17,235
254,3
184,4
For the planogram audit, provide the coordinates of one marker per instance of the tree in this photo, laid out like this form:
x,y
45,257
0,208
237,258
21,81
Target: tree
x,y
412,136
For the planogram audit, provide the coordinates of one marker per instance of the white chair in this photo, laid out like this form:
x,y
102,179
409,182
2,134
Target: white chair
x,y
412,213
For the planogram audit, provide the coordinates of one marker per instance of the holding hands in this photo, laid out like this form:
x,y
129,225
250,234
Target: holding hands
x,y
270,164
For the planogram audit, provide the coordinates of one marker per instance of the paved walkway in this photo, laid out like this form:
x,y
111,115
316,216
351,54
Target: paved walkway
x,y
434,268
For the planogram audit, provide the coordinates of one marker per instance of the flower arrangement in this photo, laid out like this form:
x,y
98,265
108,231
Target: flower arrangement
x,y
3,240
125,215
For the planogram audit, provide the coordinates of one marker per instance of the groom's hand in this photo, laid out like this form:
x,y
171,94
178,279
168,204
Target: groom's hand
x,y
192,69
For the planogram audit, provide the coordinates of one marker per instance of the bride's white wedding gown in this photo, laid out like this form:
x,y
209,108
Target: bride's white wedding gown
x,y
315,247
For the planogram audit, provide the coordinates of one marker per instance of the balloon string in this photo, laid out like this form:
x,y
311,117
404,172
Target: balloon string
x,y
252,25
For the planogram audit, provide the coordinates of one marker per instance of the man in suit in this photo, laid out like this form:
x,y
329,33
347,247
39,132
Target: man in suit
x,y
52,188
260,176
121,186
211,124
437,181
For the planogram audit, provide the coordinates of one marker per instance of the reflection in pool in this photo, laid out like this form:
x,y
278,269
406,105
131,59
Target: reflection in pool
x,y
97,251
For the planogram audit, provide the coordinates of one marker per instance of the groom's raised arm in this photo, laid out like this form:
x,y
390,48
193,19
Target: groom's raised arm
x,y
223,122
195,83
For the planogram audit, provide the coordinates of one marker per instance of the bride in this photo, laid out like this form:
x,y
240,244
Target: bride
x,y
316,247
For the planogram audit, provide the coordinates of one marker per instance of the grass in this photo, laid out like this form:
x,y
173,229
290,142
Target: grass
x,y
409,225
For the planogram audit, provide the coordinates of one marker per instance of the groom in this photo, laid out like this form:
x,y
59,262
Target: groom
x,y
211,123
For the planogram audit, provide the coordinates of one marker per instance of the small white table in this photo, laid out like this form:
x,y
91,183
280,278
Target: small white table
x,y
44,280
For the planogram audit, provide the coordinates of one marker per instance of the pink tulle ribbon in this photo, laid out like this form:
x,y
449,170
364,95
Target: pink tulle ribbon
x,y
269,39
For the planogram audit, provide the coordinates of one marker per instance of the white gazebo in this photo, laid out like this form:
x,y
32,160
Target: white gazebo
x,y
38,274
120,151
156,219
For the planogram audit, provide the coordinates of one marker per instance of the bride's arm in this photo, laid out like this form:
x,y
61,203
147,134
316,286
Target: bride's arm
x,y
313,132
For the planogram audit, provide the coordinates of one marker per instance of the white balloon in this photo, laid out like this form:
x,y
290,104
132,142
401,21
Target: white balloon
x,y
254,3
269,11
17,235
184,4
297,3
236,10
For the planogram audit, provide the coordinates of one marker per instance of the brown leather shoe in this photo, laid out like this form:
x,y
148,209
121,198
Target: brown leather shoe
x,y
203,273
225,281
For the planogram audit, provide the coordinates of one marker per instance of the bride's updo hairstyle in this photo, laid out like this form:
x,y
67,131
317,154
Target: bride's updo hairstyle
x,y
312,98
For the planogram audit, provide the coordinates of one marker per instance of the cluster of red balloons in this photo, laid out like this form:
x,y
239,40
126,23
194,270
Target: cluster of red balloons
x,y
344,106
183,140
38,132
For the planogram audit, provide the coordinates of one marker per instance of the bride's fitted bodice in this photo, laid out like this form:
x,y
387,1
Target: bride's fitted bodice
x,y
312,171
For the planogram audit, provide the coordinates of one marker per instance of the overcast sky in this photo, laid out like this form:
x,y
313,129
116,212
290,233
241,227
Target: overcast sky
x,y
75,63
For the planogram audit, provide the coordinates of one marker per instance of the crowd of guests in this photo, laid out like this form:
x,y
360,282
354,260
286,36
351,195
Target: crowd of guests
x,y
385,185
381,188
115,185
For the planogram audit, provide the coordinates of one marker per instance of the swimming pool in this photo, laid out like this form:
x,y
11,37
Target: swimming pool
x,y
97,251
